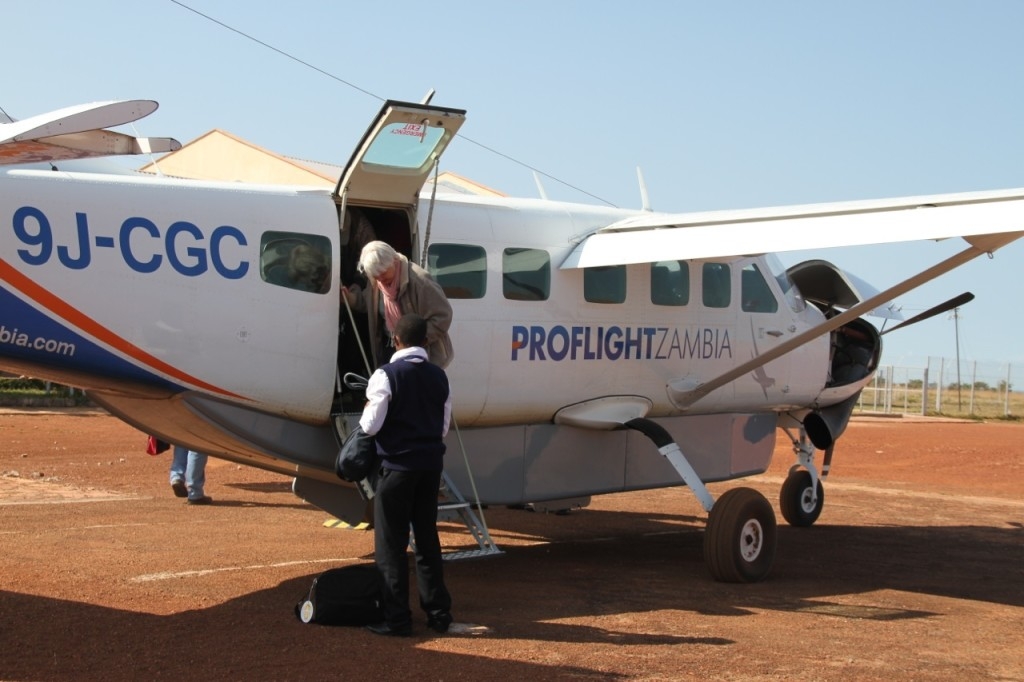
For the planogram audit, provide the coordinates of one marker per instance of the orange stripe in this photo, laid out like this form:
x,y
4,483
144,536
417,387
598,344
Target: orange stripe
x,y
79,319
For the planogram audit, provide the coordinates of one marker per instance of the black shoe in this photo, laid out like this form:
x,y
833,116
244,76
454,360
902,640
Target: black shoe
x,y
205,499
178,486
383,628
439,622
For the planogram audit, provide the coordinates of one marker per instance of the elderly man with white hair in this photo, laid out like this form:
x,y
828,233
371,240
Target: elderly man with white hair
x,y
396,287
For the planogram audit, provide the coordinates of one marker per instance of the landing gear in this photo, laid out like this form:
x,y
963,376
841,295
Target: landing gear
x,y
802,496
799,501
739,542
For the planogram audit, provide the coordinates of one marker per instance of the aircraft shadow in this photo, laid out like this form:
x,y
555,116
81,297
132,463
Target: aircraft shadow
x,y
47,639
979,563
536,592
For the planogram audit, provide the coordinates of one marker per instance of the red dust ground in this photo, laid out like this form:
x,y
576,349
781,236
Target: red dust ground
x,y
914,571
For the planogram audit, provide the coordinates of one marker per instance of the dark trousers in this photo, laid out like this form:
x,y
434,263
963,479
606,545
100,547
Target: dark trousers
x,y
403,499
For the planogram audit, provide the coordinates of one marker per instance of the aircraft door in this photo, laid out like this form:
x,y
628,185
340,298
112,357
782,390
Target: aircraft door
x,y
378,192
378,196
767,321
396,155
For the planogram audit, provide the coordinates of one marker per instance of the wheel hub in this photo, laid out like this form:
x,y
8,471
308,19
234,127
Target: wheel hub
x,y
751,540
807,501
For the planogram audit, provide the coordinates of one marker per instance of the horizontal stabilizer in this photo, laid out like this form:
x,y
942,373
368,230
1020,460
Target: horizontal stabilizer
x,y
83,146
78,133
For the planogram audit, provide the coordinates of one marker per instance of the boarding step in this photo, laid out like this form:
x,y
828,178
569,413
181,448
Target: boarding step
x,y
451,504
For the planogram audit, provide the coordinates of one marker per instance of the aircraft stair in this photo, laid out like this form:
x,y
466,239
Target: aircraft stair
x,y
452,504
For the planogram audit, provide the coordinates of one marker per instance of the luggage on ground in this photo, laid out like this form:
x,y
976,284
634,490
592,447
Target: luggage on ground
x,y
350,595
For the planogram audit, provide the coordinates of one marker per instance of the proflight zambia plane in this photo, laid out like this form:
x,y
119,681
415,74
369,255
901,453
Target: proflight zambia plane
x,y
597,350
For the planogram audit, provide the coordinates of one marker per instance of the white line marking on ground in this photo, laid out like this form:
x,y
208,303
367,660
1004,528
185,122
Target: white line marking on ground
x,y
120,498
150,577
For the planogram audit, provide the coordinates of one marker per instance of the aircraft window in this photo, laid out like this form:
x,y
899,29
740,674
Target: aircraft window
x,y
670,282
789,290
526,274
296,261
460,269
756,295
605,284
716,287
403,146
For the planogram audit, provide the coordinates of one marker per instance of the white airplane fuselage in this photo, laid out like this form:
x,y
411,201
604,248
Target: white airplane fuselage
x,y
161,278
148,293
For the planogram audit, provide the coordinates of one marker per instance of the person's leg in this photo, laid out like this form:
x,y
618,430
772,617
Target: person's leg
x,y
179,462
435,599
391,512
195,476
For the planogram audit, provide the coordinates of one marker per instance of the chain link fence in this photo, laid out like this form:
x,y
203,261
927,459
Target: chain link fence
x,y
972,389
969,388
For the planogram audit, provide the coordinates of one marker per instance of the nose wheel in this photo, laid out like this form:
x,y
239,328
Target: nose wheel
x,y
800,500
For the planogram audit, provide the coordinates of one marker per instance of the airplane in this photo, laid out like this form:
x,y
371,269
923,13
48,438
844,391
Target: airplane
x,y
597,350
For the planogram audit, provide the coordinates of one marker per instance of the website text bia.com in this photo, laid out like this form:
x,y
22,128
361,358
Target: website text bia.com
x,y
22,340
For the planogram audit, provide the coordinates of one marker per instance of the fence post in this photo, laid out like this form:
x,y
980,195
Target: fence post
x,y
974,380
924,393
888,389
1006,400
938,386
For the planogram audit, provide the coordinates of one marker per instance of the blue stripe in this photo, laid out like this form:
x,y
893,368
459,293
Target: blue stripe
x,y
22,325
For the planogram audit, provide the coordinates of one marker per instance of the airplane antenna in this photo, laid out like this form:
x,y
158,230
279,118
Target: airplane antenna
x,y
540,187
645,201
429,96
5,117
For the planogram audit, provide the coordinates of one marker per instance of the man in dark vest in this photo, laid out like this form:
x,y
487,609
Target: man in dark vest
x,y
408,409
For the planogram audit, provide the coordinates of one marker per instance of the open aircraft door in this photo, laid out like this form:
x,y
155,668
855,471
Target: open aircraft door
x,y
378,196
389,167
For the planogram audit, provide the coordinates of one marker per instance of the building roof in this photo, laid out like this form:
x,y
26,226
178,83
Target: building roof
x,y
219,155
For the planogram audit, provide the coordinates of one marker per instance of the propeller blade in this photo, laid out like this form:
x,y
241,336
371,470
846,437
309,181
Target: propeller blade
x,y
963,298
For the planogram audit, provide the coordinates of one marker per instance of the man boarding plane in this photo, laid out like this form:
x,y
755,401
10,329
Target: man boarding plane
x,y
582,334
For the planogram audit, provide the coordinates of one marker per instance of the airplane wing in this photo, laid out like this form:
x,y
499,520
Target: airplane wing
x,y
978,217
986,220
78,132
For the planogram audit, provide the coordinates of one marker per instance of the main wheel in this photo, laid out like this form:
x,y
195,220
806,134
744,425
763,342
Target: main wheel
x,y
739,542
796,502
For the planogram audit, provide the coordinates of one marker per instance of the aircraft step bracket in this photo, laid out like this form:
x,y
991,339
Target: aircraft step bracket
x,y
451,503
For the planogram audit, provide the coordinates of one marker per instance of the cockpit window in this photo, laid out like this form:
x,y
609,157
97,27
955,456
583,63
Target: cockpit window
x,y
789,290
297,261
755,294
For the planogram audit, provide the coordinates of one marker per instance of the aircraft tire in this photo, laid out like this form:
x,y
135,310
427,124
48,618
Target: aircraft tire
x,y
739,542
795,500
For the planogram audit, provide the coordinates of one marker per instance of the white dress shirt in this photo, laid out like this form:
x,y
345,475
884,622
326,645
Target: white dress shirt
x,y
378,394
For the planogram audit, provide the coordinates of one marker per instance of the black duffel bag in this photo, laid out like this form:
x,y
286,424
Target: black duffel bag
x,y
358,458
350,595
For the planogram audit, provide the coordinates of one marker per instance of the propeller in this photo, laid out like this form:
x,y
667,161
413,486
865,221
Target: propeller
x,y
963,298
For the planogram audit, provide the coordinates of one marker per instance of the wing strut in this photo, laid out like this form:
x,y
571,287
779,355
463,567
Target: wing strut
x,y
683,396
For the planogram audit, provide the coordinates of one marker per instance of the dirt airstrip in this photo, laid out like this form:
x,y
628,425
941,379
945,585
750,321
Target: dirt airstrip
x,y
914,571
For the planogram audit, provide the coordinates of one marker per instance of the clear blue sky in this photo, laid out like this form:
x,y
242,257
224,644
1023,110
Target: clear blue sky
x,y
722,105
